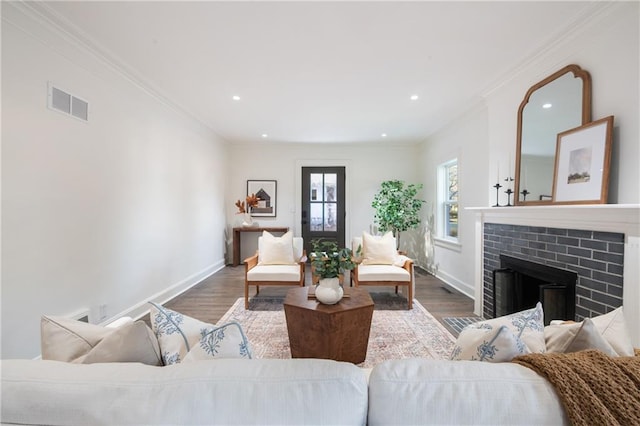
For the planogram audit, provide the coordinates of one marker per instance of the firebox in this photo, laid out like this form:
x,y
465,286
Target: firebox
x,y
519,284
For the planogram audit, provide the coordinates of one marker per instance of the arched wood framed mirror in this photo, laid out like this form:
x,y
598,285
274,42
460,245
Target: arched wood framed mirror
x,y
558,103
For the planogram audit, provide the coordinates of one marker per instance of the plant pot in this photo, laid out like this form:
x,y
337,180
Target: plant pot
x,y
329,291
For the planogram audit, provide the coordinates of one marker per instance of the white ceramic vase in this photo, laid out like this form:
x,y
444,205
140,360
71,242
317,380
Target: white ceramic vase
x,y
329,291
248,220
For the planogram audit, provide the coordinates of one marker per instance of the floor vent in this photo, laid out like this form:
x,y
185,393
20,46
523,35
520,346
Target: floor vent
x,y
64,102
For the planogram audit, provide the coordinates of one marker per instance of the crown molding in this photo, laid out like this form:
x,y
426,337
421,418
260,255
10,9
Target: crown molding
x,y
590,14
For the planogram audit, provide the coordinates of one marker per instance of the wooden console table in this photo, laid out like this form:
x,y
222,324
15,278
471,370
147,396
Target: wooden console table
x,y
237,234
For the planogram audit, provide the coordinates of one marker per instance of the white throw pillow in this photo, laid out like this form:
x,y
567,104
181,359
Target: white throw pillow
x,y
528,325
378,250
69,340
276,250
490,345
183,338
614,329
574,337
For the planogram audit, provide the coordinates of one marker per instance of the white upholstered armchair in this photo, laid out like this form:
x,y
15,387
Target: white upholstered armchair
x,y
379,264
280,261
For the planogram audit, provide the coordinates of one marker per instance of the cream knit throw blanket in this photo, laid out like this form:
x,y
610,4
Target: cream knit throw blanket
x,y
595,389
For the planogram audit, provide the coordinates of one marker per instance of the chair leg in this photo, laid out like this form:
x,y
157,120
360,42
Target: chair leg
x,y
396,289
257,289
410,296
246,295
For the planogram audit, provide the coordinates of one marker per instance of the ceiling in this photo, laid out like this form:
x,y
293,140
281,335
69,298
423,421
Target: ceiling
x,y
320,71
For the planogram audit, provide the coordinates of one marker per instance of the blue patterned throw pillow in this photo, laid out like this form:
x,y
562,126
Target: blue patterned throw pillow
x,y
488,344
184,339
528,325
500,339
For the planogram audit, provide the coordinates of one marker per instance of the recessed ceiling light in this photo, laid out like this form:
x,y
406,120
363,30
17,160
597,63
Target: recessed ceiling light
x,y
546,106
414,97
264,135
384,135
236,98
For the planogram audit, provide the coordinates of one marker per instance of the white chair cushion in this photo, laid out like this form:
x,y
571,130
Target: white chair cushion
x,y
378,250
382,273
275,250
274,273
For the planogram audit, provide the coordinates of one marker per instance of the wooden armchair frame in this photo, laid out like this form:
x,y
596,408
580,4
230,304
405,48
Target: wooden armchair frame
x,y
408,265
252,262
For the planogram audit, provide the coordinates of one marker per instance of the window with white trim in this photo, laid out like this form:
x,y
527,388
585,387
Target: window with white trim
x,y
448,200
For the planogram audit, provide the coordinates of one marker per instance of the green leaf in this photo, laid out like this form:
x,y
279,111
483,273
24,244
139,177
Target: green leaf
x,y
396,206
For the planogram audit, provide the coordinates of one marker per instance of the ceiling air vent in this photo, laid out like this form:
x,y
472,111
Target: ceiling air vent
x,y
62,101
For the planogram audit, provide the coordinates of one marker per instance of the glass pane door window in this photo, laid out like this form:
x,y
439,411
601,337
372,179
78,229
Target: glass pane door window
x,y
323,201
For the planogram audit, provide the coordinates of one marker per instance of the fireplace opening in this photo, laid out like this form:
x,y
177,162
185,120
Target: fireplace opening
x,y
519,284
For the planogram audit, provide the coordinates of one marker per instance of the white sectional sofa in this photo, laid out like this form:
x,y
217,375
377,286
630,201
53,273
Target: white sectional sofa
x,y
80,381
276,392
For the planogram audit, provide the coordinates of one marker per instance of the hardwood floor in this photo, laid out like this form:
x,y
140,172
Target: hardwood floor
x,y
210,300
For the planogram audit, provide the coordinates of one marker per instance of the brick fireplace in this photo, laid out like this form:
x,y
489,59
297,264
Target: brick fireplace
x,y
596,257
600,243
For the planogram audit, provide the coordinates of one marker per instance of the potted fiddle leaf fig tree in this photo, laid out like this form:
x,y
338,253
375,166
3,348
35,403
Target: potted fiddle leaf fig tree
x,y
397,207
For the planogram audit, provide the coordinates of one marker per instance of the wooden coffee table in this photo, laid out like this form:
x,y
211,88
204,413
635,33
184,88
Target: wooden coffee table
x,y
339,332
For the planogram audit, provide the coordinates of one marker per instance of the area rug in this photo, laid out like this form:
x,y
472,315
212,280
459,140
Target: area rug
x,y
395,334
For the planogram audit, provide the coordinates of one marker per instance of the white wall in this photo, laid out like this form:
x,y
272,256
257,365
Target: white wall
x,y
608,47
465,141
117,211
367,165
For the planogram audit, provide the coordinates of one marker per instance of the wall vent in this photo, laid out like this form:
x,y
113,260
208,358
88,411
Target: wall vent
x,y
82,315
62,101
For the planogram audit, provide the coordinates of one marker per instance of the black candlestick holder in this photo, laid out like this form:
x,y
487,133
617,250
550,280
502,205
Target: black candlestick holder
x,y
497,186
508,192
524,193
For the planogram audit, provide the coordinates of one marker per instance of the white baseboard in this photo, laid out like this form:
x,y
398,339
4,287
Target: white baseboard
x,y
140,309
462,287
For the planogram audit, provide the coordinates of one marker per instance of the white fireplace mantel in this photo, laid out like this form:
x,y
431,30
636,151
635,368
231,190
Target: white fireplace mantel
x,y
622,218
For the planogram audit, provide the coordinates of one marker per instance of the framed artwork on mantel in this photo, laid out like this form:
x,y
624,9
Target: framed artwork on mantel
x,y
265,190
583,154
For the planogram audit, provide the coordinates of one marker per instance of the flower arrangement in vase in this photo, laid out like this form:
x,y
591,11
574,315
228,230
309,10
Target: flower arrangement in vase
x,y
251,202
328,263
